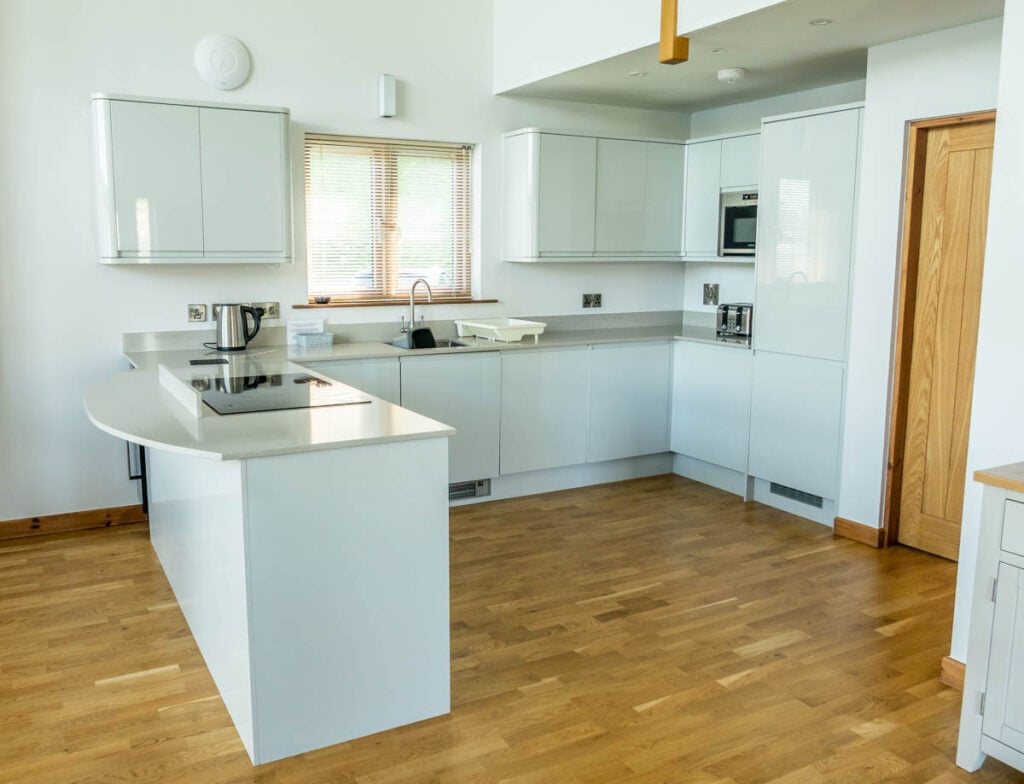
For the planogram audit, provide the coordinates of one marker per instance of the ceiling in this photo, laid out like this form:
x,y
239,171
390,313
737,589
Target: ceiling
x,y
777,46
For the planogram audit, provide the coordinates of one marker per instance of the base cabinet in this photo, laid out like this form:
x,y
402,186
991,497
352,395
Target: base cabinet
x,y
378,377
545,412
629,400
463,391
711,404
795,420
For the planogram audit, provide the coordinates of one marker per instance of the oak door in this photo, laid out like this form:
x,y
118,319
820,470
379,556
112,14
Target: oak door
x,y
948,242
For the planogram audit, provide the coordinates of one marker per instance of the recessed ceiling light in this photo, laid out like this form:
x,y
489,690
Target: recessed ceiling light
x,y
820,22
719,51
637,74
732,75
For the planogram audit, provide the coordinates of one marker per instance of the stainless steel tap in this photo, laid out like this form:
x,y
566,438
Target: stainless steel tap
x,y
412,302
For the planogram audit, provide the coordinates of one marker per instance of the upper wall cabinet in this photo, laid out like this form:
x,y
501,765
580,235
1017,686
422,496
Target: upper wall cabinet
x,y
711,166
191,183
568,197
805,233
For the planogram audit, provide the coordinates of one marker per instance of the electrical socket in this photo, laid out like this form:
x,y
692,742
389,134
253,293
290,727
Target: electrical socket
x,y
591,300
271,310
710,293
196,313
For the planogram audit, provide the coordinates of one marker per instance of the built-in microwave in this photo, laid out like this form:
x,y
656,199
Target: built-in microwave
x,y
737,235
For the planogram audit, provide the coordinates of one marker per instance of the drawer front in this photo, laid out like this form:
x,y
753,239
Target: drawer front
x,y
1013,527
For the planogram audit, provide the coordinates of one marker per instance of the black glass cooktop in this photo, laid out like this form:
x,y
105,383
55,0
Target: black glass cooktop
x,y
274,392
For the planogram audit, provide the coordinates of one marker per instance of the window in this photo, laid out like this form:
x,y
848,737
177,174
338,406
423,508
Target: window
x,y
381,213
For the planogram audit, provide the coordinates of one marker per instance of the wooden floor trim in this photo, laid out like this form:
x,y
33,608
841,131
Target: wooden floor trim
x,y
952,673
71,521
858,532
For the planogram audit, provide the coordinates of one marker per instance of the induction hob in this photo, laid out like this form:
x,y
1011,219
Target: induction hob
x,y
275,392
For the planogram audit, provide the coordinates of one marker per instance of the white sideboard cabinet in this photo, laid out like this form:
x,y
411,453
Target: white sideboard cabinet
x,y
992,712
569,197
180,182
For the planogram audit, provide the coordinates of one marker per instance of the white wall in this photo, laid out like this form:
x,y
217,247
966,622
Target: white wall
x,y
63,313
735,284
747,116
997,416
941,73
535,39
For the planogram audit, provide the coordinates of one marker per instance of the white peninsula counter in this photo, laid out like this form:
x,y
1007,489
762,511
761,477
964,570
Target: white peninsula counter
x,y
308,549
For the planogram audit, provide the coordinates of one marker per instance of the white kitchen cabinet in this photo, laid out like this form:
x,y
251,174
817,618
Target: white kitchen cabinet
x,y
463,391
378,377
568,191
805,233
711,403
629,400
545,412
992,713
568,197
181,182
795,417
741,161
703,191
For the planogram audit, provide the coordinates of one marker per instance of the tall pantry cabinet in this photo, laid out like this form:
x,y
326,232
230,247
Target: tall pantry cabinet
x,y
806,216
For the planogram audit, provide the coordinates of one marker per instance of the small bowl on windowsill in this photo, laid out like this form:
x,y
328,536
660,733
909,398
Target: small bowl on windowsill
x,y
322,300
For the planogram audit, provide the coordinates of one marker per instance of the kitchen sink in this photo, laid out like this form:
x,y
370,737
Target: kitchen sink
x,y
424,338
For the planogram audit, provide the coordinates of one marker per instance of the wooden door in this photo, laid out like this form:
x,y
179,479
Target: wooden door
x,y
946,250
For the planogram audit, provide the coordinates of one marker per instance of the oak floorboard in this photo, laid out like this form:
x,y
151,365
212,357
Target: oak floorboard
x,y
655,631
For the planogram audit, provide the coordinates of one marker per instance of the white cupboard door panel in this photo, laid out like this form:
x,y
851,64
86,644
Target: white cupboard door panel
x,y
805,229
703,170
567,194
741,161
156,178
629,400
244,181
377,377
544,409
663,223
1004,700
711,403
462,391
795,421
621,195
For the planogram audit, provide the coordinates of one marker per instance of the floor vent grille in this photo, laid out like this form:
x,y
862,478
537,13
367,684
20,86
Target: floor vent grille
x,y
478,488
797,495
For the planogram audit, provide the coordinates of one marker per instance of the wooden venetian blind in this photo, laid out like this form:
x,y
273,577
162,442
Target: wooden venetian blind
x,y
381,213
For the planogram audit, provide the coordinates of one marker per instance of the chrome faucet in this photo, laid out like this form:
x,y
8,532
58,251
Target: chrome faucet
x,y
412,302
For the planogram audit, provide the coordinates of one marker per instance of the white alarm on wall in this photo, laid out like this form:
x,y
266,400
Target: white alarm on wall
x,y
222,61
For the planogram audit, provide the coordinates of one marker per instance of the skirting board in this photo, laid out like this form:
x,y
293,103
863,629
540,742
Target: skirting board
x,y
71,521
952,673
858,532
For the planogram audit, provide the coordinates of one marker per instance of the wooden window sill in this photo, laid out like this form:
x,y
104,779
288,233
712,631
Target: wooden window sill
x,y
395,302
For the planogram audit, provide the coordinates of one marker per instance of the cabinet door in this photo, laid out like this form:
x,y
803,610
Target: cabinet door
x,y
544,408
1004,693
795,416
244,181
157,186
663,201
629,400
703,191
805,231
461,390
377,377
711,403
741,161
621,195
567,194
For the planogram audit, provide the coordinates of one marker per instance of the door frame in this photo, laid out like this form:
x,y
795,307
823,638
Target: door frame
x,y
910,236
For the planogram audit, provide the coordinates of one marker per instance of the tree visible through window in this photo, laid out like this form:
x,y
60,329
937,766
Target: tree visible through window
x,y
381,213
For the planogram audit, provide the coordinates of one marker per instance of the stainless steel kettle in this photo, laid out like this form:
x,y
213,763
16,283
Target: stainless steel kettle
x,y
233,326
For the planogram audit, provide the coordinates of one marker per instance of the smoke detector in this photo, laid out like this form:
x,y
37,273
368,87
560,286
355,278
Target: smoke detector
x,y
731,75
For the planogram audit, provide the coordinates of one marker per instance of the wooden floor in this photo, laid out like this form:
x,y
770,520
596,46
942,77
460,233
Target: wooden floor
x,y
654,632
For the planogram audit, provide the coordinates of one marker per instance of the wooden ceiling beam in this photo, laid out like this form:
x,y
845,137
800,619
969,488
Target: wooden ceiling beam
x,y
673,48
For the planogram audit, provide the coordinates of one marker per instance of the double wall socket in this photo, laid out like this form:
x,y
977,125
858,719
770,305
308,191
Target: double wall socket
x,y
271,310
591,300
710,293
197,313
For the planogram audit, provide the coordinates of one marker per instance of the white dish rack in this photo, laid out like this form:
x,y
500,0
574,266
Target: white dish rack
x,y
506,330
